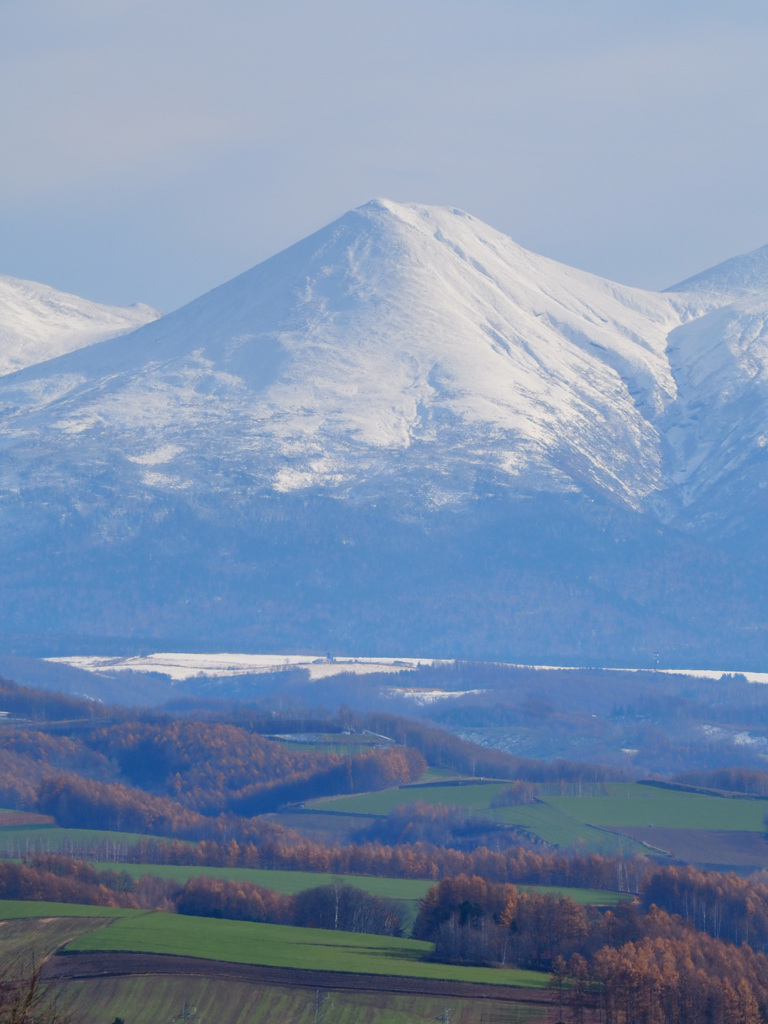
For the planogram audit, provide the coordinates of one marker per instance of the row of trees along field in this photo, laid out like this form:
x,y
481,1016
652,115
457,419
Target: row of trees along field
x,y
64,880
726,906
731,780
269,845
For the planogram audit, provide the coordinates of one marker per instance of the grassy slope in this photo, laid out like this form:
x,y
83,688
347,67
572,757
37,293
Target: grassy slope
x,y
285,946
471,797
37,938
282,881
630,804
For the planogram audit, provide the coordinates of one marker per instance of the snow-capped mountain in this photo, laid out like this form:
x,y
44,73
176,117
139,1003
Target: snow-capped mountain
x,y
406,399
38,322
400,342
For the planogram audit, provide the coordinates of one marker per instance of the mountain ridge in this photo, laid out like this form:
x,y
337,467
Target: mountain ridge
x,y
736,278
38,322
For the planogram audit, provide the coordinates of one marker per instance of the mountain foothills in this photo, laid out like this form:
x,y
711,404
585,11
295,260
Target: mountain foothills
x,y
404,432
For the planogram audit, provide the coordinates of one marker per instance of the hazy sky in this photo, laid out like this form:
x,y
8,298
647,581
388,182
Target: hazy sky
x,y
152,149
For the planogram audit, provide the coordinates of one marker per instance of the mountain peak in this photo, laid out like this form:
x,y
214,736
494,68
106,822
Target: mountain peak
x,y
402,348
412,211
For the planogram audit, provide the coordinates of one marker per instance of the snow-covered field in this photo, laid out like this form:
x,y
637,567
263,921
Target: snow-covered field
x,y
186,666
180,666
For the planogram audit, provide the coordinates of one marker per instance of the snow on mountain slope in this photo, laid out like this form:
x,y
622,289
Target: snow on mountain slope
x,y
716,432
39,323
402,345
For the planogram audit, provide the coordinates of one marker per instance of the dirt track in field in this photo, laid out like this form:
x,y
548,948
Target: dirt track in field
x,y
100,965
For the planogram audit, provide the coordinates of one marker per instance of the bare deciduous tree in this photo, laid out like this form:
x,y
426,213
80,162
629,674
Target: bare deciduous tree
x,y
26,998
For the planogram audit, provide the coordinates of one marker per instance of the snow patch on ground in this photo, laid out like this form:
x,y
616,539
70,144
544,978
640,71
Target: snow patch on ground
x,y
159,456
424,696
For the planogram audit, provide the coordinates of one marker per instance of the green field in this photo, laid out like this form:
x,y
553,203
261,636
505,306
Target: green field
x,y
116,930
435,774
564,830
274,945
330,743
633,805
567,820
15,842
326,828
472,797
282,881
401,890
144,1000
586,897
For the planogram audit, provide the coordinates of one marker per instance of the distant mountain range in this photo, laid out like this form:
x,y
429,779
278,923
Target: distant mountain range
x,y
404,432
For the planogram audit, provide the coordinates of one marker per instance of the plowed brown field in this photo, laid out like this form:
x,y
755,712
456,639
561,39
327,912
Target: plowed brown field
x,y
72,966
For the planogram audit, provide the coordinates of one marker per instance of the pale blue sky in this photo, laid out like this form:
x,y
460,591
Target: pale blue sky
x,y
155,148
